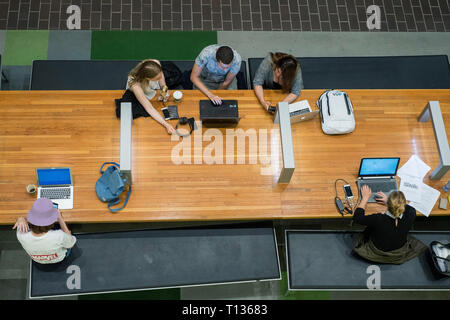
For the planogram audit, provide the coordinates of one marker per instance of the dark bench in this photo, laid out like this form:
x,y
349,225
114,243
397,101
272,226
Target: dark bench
x,y
401,72
100,74
151,259
325,260
3,77
186,68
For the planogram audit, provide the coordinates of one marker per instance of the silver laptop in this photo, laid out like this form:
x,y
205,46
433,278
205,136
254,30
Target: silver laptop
x,y
56,184
301,111
378,174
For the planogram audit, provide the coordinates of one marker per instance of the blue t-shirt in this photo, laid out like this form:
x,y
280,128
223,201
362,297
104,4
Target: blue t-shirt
x,y
210,67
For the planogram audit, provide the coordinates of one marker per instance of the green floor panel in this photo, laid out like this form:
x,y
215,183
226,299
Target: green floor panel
x,y
161,294
139,45
285,294
22,47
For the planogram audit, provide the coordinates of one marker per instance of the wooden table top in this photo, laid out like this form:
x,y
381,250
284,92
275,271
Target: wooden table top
x,y
79,129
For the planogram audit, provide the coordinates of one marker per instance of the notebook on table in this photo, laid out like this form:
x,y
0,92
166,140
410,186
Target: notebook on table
x,y
56,184
379,174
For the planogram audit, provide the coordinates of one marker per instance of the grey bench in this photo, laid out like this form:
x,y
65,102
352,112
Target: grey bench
x,y
325,260
3,77
100,74
392,72
151,259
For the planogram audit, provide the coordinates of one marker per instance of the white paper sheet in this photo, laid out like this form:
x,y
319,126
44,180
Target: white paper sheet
x,y
428,199
414,167
411,188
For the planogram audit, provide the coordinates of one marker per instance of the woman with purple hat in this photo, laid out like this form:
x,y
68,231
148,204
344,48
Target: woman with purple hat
x,y
43,244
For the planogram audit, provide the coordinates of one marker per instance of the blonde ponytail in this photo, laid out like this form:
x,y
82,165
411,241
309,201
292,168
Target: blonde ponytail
x,y
396,204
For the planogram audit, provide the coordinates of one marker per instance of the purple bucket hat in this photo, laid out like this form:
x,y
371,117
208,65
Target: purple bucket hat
x,y
43,213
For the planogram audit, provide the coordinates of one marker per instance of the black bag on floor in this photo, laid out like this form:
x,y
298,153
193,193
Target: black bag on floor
x,y
172,74
440,255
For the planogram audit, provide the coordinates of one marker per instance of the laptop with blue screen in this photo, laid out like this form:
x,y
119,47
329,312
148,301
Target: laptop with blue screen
x,y
379,174
56,184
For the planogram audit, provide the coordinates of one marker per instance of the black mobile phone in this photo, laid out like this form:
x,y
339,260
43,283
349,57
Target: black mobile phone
x,y
348,191
55,205
272,109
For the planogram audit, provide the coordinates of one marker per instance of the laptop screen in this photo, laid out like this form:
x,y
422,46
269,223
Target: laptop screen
x,y
55,176
378,167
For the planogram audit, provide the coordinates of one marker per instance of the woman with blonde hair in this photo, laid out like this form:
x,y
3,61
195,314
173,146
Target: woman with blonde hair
x,y
386,238
278,71
144,81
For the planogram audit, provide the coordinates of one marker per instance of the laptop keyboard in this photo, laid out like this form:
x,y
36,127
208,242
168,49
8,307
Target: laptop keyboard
x,y
55,193
384,186
296,113
380,186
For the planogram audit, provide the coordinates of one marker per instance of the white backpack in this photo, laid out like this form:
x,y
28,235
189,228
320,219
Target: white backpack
x,y
336,112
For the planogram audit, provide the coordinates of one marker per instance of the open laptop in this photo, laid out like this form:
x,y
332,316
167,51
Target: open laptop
x,y
56,184
225,113
378,174
301,111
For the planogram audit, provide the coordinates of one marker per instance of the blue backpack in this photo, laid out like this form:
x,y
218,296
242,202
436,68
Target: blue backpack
x,y
110,186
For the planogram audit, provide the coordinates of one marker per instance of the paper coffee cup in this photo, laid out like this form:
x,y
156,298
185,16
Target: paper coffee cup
x,y
177,95
31,188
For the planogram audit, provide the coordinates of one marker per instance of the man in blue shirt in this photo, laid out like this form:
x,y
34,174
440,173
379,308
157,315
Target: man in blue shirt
x,y
216,68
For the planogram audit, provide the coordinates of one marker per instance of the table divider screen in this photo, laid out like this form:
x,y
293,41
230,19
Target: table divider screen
x,y
126,121
433,108
287,149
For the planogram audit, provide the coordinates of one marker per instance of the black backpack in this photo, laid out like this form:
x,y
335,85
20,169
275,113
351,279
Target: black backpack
x,y
440,255
172,74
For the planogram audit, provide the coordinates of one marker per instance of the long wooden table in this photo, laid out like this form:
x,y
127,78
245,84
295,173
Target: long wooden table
x,y
79,129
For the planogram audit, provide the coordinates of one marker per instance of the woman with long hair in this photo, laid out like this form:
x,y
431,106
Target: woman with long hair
x,y
144,81
278,71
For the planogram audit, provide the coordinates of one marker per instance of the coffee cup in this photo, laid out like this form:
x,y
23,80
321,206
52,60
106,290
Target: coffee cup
x,y
177,95
31,188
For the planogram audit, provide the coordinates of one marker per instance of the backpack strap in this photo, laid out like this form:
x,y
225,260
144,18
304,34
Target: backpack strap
x,y
113,163
117,201
319,104
346,102
320,109
328,103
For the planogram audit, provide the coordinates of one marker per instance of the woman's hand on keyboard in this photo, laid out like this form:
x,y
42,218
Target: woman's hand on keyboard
x,y
381,198
365,193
